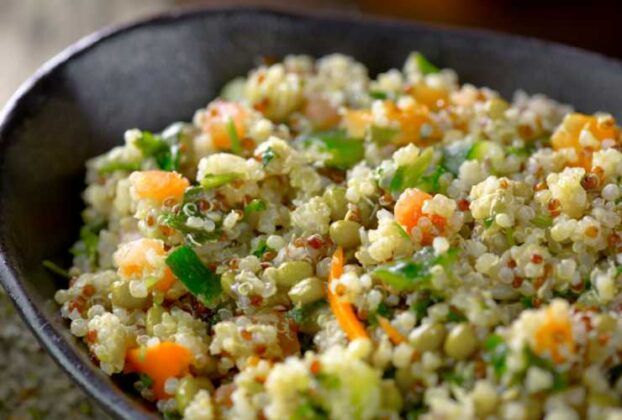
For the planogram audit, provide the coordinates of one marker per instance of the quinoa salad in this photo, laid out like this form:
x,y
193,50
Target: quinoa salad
x,y
321,244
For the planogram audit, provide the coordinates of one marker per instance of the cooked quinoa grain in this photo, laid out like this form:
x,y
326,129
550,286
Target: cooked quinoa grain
x,y
318,243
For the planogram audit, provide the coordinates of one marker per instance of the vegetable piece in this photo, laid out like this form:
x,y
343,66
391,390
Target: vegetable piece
x,y
256,205
428,337
343,151
454,155
410,275
345,233
89,241
343,310
542,221
432,97
320,112
236,145
198,279
211,181
120,296
378,94
291,272
159,186
56,269
431,183
356,122
382,135
115,165
160,362
480,150
188,387
584,134
554,337
424,65
394,335
409,207
461,342
408,176
307,291
178,221
496,353
166,154
219,119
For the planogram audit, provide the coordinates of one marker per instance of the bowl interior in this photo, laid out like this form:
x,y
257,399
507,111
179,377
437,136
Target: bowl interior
x,y
151,74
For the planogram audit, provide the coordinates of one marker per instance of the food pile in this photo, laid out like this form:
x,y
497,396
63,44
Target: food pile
x,y
319,244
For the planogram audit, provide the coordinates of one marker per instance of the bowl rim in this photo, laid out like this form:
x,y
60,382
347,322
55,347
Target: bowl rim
x,y
114,401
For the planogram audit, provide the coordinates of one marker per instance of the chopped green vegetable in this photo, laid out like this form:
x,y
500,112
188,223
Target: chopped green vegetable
x,y
454,155
542,221
420,305
496,353
267,156
56,269
408,176
480,150
455,316
166,155
145,380
89,240
431,183
178,221
190,270
232,132
424,65
261,249
489,221
256,205
211,181
409,275
401,230
378,94
301,314
381,311
344,152
382,135
115,165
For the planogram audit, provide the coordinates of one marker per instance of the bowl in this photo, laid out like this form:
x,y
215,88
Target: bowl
x,y
160,70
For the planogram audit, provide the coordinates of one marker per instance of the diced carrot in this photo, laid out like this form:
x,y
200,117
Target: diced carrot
x,y
394,335
413,123
321,112
218,115
138,259
433,98
553,336
409,209
568,135
159,186
160,362
343,310
166,282
356,122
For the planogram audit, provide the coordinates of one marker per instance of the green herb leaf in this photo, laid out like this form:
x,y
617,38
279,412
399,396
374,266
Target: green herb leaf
x,y
410,275
382,135
267,156
178,221
256,205
261,249
424,65
211,181
344,152
166,155
232,132
198,279
115,165
408,176
56,269
454,155
431,183
301,315
496,353
378,94
542,221
89,240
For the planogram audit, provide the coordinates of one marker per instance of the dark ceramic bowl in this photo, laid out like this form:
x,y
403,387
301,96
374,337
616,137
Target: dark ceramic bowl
x,y
160,70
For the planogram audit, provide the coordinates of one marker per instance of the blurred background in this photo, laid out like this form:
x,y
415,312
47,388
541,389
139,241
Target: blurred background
x,y
32,31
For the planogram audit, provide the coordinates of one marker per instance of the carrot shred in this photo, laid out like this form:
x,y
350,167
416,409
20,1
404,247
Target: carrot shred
x,y
159,362
394,335
342,310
